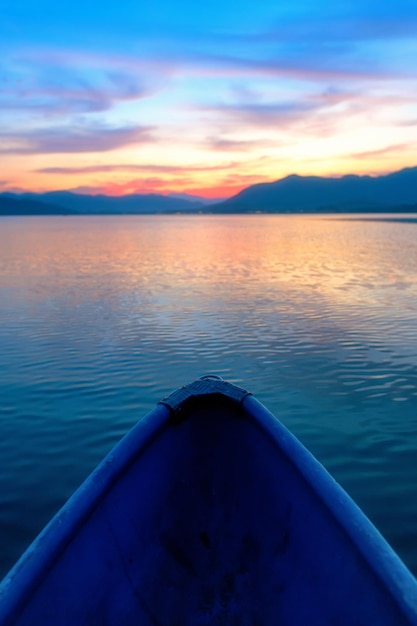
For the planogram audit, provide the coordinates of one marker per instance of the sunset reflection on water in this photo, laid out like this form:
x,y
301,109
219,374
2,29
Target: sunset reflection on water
x,y
102,316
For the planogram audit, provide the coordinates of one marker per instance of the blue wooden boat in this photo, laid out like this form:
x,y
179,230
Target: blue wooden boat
x,y
209,512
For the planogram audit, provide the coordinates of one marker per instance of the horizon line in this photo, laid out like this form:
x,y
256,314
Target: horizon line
x,y
189,196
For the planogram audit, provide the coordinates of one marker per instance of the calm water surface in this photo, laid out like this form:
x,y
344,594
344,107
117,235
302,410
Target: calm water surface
x,y
102,316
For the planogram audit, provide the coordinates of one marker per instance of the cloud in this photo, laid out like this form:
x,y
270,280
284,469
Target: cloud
x,y
151,184
221,187
239,116
130,167
265,114
60,82
340,42
302,51
337,27
9,187
319,113
312,49
231,145
313,45
60,140
309,66
63,88
49,101
226,186
408,122
387,150
163,178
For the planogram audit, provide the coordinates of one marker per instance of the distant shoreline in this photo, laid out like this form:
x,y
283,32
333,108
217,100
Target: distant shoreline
x,y
293,195
395,213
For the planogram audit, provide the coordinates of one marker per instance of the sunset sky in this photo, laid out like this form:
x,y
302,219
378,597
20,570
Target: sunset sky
x,y
203,98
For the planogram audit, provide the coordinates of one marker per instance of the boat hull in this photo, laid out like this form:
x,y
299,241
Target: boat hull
x,y
209,512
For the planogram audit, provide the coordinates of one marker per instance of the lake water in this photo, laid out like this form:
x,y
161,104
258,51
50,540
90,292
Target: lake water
x,y
102,316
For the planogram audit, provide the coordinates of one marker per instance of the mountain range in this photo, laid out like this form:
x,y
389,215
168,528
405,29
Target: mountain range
x,y
69,203
396,192
314,194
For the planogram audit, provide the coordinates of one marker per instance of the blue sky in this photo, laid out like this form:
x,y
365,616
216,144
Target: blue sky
x,y
137,97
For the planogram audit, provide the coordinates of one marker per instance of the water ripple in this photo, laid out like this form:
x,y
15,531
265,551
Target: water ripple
x,y
101,317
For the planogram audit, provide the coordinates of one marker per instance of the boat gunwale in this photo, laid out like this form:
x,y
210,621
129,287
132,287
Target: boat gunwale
x,y
365,537
40,556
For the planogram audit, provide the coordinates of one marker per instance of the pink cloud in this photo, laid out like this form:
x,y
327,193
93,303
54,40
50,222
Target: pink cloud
x,y
388,150
231,145
60,140
131,167
223,186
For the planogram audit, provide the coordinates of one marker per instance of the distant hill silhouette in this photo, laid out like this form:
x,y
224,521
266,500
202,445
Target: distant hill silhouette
x,y
197,199
101,204
296,194
22,206
395,192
